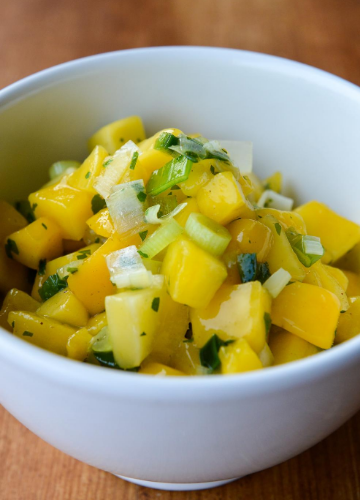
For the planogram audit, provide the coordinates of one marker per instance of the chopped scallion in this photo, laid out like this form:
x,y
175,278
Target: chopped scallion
x,y
173,172
134,160
160,239
277,282
271,199
207,233
126,207
152,214
307,248
59,168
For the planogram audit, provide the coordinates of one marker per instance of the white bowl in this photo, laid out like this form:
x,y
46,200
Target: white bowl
x,y
185,433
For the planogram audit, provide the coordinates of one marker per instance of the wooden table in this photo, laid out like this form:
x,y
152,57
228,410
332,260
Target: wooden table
x,y
36,34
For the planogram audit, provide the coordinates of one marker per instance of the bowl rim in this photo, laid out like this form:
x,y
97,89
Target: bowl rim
x,y
88,377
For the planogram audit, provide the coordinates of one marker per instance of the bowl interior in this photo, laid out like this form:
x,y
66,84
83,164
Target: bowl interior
x,y
302,121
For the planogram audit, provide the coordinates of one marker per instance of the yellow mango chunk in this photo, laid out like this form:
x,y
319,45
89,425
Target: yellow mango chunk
x,y
11,220
186,358
61,262
286,219
78,345
200,175
116,134
160,370
84,176
222,199
96,323
287,347
71,246
349,323
337,234
339,275
256,185
237,311
250,236
274,182
101,223
319,276
16,300
238,357
353,289
66,308
351,260
191,207
12,274
281,254
192,275
308,311
43,332
91,284
40,240
63,204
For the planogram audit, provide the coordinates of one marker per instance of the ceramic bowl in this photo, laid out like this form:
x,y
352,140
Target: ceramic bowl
x,y
185,433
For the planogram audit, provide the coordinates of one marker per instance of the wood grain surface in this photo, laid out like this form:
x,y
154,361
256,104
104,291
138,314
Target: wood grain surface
x,y
36,34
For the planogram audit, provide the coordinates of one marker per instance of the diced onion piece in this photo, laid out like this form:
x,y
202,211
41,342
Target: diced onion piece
x,y
241,154
160,239
127,269
60,168
151,214
312,245
207,233
114,168
277,282
271,199
173,172
126,207
69,268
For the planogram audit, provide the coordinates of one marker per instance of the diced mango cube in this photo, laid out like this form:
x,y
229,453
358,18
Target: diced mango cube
x,y
237,311
337,234
11,220
238,357
250,236
63,204
222,199
308,311
66,308
281,254
192,275
287,347
186,358
353,289
16,300
116,134
160,370
339,275
84,176
273,182
78,345
256,185
191,207
318,275
201,173
91,284
43,332
349,323
101,223
351,260
40,240
286,219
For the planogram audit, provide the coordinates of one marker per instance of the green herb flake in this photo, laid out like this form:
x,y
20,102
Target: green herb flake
x,y
82,254
52,286
155,304
97,240
97,204
143,334
142,254
143,234
138,140
212,170
141,196
175,187
121,139
209,353
42,267
107,162
278,228
247,266
134,160
268,203
26,210
27,334
263,272
72,270
10,248
87,176
267,186
13,324
267,321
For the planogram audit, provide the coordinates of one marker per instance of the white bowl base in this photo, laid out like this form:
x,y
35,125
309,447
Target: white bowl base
x,y
177,486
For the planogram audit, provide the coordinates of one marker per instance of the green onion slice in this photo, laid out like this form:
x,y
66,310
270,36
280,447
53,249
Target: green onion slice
x,y
277,282
209,353
272,199
173,172
152,214
307,248
160,239
101,341
207,233
59,168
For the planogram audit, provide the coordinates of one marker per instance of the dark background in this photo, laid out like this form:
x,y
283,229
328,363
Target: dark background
x,y
36,34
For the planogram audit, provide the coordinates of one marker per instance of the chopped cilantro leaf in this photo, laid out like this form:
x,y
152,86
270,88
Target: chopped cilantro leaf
x,y
107,162
143,234
141,196
10,248
27,334
87,175
97,240
26,210
52,286
142,334
97,203
142,254
134,160
155,304
72,270
44,225
278,228
82,254
42,267
13,324
175,188
209,353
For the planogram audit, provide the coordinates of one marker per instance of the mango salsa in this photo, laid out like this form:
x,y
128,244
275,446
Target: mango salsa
x,y
168,256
